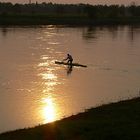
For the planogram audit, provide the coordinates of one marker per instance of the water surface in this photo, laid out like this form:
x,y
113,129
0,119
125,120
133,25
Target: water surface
x,y
34,90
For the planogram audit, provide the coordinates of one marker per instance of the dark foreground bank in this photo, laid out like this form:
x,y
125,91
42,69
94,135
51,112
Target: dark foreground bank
x,y
116,121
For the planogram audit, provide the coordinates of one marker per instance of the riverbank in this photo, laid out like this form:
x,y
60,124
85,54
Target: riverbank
x,y
71,14
78,20
115,121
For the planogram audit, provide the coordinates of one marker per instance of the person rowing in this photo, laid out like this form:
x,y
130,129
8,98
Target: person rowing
x,y
69,58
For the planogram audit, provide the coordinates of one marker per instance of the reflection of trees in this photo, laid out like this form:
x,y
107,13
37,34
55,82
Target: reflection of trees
x,y
113,30
92,32
89,33
133,32
4,31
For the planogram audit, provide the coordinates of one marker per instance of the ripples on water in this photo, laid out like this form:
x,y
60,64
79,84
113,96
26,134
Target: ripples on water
x,y
34,90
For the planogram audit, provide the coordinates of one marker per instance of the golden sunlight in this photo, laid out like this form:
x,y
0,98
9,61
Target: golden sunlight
x,y
49,80
48,110
43,64
48,76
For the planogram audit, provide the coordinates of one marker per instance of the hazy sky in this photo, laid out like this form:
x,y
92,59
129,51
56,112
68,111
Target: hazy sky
x,y
126,2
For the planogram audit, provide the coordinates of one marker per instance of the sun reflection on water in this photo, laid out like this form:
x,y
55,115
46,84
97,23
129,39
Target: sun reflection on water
x,y
48,110
49,76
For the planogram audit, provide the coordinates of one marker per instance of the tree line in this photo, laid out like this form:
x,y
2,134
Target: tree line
x,y
78,14
91,11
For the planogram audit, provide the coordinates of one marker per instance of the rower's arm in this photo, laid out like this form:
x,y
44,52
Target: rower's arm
x,y
65,59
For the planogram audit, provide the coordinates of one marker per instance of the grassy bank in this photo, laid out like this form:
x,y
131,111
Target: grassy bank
x,y
116,121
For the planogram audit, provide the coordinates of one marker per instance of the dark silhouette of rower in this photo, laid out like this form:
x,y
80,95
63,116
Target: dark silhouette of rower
x,y
69,58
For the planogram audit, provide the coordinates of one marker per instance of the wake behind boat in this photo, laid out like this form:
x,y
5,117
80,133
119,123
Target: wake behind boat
x,y
73,64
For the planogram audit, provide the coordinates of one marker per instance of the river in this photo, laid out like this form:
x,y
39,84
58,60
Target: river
x,y
34,90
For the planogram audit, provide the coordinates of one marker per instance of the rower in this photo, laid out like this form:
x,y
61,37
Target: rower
x,y
69,58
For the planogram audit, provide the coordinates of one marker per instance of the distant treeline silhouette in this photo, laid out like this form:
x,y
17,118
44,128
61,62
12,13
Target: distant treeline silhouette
x,y
85,12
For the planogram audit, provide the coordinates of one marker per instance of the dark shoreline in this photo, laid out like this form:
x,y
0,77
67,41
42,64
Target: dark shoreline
x,y
68,14
67,20
114,121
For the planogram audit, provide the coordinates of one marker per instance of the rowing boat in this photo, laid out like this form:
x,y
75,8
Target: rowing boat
x,y
73,64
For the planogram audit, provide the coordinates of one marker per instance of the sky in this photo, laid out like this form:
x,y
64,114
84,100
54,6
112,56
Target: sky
x,y
125,2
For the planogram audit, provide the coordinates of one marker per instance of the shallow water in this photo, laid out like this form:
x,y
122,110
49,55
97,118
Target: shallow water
x,y
34,90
